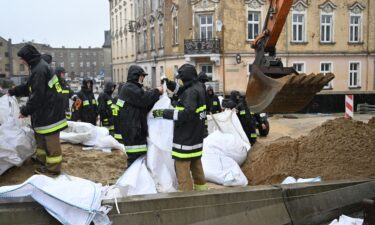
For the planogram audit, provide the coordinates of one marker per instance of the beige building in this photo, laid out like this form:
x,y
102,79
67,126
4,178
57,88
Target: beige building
x,y
5,56
122,13
319,36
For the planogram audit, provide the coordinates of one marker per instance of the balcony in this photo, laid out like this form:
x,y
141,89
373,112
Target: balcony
x,y
202,46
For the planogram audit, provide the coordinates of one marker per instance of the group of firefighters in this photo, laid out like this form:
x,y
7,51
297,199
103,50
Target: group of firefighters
x,y
126,114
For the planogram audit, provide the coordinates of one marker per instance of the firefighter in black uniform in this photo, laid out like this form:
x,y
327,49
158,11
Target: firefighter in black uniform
x,y
189,116
115,107
213,101
104,106
66,91
134,103
87,111
246,118
45,108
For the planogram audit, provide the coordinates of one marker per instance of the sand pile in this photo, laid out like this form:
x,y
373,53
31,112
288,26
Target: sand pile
x,y
338,149
92,165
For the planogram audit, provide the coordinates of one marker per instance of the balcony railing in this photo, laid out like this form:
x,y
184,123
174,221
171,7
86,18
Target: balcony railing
x,y
202,46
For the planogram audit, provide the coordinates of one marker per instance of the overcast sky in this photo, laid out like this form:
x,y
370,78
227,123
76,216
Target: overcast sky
x,y
69,23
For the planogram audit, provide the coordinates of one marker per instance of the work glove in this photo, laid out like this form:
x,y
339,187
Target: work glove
x,y
158,113
11,92
170,84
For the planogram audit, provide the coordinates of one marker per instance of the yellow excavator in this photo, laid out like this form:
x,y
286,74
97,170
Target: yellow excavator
x,y
272,87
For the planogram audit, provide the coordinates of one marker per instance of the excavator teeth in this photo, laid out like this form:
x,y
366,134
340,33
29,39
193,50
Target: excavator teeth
x,y
290,93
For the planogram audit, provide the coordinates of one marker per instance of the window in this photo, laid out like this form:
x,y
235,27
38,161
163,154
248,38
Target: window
x,y
62,64
1,43
354,75
152,38
72,64
53,64
80,54
161,3
71,55
6,54
81,64
161,35
299,67
61,54
87,53
94,53
253,24
175,30
52,54
326,28
161,71
88,74
326,67
298,27
206,26
151,5
145,40
94,63
81,74
355,28
139,42
87,64
22,67
7,67
208,70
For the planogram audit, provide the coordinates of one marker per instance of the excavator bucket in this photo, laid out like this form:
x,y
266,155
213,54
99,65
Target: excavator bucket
x,y
282,93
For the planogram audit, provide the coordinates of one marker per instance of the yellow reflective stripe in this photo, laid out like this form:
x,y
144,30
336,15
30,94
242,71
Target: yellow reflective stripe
x,y
243,112
51,128
58,87
93,102
201,109
30,89
109,102
111,127
214,102
186,155
53,81
179,108
253,135
65,91
105,120
40,151
200,187
252,113
68,117
54,160
135,150
86,102
118,136
120,103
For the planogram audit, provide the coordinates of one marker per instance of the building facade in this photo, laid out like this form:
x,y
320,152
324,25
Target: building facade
x,y
123,37
319,36
5,57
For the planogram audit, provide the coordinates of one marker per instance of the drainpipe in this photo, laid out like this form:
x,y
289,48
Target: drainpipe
x,y
368,48
223,52
10,58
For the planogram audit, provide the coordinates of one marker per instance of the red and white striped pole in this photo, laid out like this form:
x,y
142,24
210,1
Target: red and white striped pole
x,y
349,106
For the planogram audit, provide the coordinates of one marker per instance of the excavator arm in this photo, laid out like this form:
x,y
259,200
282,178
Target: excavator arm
x,y
272,87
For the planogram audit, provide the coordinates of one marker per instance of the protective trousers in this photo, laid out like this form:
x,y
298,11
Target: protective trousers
x,y
185,182
49,151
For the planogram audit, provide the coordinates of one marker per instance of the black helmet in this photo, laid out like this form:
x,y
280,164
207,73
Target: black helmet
x,y
203,78
47,58
187,72
134,73
29,54
235,95
109,87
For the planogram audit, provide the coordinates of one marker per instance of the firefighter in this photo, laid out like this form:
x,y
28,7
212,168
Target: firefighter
x,y
104,106
244,115
66,91
87,111
213,101
189,116
115,108
134,103
45,108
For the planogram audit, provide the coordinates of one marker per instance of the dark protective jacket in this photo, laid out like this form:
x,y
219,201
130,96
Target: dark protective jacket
x,y
88,110
213,103
134,103
104,105
45,103
244,115
189,116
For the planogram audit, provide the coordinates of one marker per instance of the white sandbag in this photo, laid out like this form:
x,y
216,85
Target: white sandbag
x,y
89,135
292,180
8,108
17,141
79,205
227,143
221,169
228,122
136,180
346,220
159,154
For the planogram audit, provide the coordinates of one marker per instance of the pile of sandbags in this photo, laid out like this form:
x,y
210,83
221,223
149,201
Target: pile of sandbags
x,y
17,139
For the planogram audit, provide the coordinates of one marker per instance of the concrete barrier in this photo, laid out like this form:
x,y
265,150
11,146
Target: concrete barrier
x,y
295,204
